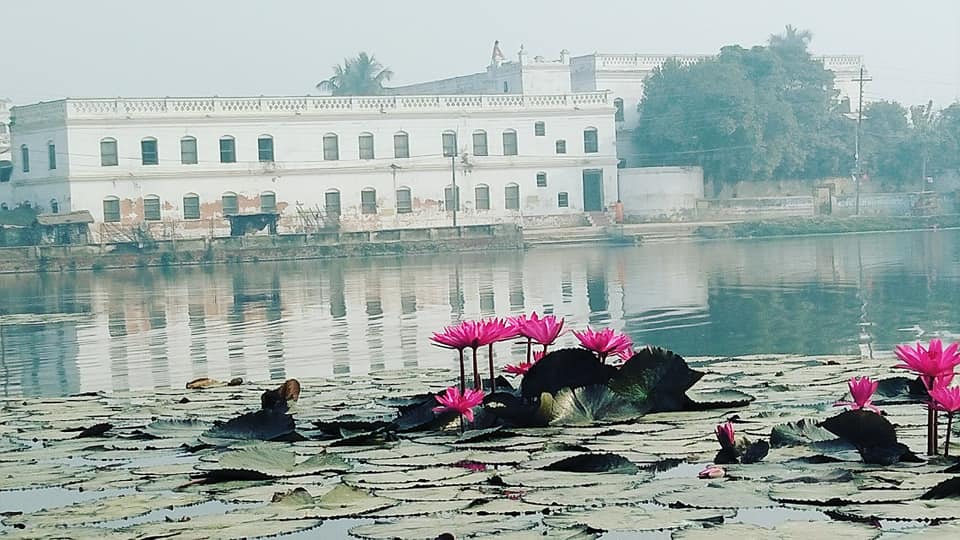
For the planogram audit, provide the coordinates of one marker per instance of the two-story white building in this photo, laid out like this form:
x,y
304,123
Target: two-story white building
x,y
178,166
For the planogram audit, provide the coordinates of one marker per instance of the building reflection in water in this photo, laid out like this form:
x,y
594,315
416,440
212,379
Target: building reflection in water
x,y
317,318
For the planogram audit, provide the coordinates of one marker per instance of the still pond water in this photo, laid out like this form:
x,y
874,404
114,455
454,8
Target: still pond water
x,y
137,329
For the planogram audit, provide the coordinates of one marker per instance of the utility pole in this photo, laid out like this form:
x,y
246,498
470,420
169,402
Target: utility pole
x,y
456,198
858,175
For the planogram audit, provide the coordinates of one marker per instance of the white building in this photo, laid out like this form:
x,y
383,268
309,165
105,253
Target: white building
x,y
6,166
178,165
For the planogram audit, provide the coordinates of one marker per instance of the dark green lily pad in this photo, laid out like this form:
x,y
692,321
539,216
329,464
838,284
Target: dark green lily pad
x,y
564,368
594,463
263,425
656,380
948,489
587,406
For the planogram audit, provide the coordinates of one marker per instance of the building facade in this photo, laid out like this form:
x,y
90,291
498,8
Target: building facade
x,y
6,165
177,167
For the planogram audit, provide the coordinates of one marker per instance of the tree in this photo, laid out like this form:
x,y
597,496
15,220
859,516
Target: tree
x,y
362,75
749,114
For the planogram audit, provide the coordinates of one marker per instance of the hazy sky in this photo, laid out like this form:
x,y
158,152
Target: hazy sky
x,y
100,48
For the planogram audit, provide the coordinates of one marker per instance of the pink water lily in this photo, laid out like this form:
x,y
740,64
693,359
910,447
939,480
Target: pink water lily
x,y
725,435
711,472
523,367
861,389
604,342
544,330
626,354
462,403
458,338
947,399
930,363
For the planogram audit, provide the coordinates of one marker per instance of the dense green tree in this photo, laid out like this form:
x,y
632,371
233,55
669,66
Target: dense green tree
x,y
362,75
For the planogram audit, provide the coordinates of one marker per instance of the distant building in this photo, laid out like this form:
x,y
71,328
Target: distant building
x,y
622,75
179,167
6,165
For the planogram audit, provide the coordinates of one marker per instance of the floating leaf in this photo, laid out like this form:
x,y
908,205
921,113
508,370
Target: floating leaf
x,y
345,501
457,525
263,425
175,428
564,368
948,489
634,519
589,405
594,463
789,530
718,399
799,433
720,494
656,379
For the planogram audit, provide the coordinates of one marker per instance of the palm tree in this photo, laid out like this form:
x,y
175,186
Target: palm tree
x,y
791,38
358,76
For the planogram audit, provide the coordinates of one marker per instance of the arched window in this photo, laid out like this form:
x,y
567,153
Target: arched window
x,y
331,147
449,139
228,149
590,144
563,200
265,148
268,202
108,152
191,206
618,114
482,197
51,155
148,151
54,206
366,146
509,142
3,206
331,202
25,158
451,198
111,209
368,201
480,143
401,145
539,129
188,150
151,208
404,201
511,197
229,205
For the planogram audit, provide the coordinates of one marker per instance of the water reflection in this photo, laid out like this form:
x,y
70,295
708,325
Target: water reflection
x,y
66,333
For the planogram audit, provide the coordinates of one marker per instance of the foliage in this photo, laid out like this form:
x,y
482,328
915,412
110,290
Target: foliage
x,y
361,75
772,112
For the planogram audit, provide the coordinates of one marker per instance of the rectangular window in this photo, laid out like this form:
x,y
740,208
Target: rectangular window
x,y
483,197
404,201
111,211
480,144
228,150
229,205
563,200
366,147
331,148
561,146
51,156
191,207
151,209
25,158
540,129
368,201
510,143
401,145
450,202
268,203
590,145
148,152
541,179
449,144
331,200
108,153
188,151
511,200
265,149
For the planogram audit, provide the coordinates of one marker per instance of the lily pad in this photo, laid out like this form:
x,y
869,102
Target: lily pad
x,y
790,530
589,405
458,526
634,519
656,379
263,425
565,368
594,463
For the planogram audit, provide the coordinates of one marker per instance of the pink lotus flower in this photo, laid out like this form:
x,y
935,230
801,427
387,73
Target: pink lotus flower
x,y
930,363
604,342
861,388
711,472
523,367
538,355
544,330
452,337
463,404
496,330
474,466
946,398
626,354
725,435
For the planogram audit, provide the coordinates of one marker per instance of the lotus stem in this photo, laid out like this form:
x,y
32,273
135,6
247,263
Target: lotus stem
x,y
461,424
931,430
603,358
463,375
544,350
476,372
946,445
529,349
493,380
